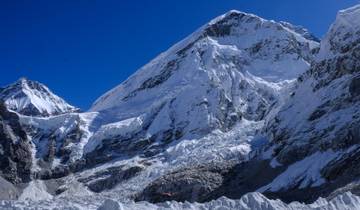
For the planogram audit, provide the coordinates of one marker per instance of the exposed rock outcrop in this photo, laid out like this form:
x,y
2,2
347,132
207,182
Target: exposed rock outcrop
x,y
15,154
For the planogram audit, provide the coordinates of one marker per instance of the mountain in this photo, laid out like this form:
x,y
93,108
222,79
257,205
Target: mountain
x,y
230,70
329,118
243,105
249,42
326,125
312,139
33,99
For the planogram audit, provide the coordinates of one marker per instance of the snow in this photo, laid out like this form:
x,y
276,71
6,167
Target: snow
x,y
305,172
178,99
249,201
342,31
350,17
245,35
24,93
193,96
109,131
60,126
75,188
300,110
35,191
215,147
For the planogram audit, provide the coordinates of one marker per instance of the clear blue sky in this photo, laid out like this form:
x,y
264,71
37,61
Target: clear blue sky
x,y
82,48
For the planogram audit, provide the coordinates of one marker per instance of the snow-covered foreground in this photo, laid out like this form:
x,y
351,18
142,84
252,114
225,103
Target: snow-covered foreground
x,y
250,201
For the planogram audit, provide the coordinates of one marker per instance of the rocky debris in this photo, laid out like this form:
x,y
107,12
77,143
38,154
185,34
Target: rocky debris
x,y
55,186
193,184
118,147
53,173
208,182
110,178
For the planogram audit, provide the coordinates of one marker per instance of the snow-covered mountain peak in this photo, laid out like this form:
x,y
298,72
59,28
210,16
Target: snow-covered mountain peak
x,y
232,15
33,99
22,80
265,49
229,71
234,21
343,34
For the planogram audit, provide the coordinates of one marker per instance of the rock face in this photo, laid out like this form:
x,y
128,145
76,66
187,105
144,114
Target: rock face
x,y
330,118
33,99
15,155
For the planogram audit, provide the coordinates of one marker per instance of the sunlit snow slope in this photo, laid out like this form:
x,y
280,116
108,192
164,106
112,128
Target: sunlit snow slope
x,y
33,99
